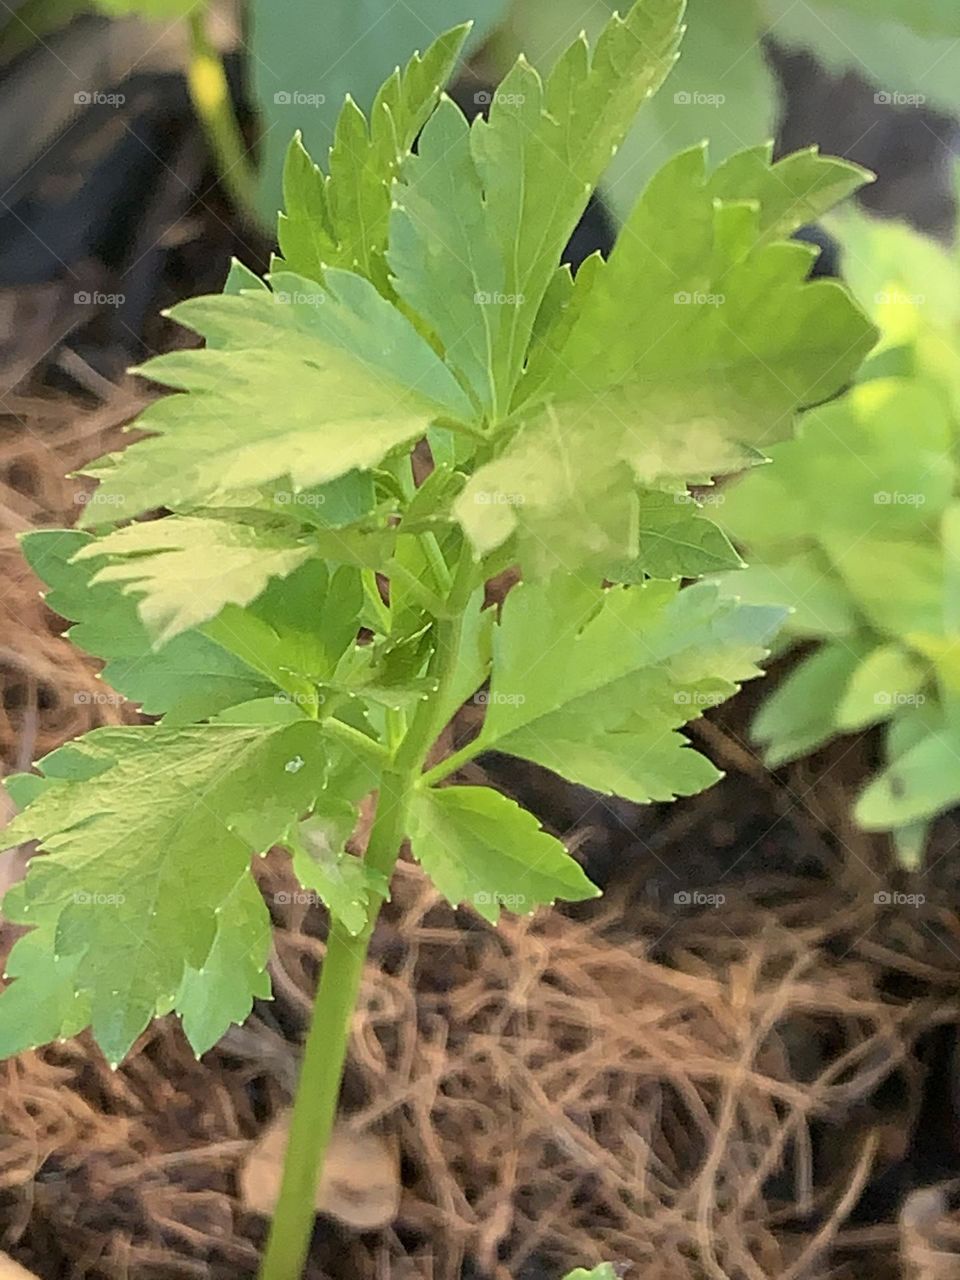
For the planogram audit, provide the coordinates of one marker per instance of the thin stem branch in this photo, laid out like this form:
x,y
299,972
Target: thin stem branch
x,y
357,739
210,95
456,760
315,1106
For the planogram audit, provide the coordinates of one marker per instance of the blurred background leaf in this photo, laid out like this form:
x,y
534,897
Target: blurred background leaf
x,y
322,51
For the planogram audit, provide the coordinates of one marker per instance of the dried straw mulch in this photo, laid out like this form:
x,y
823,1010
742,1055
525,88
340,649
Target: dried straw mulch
x,y
48,691
557,1093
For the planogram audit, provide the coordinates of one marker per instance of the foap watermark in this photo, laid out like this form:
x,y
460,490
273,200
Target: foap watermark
x,y
496,698
894,98
489,97
891,898
299,299
98,698
495,498
695,98
291,498
712,498
894,498
94,98
896,698
98,499
298,98
698,299
297,898
82,899
697,698
483,298
315,699
511,901
697,898
897,298
97,299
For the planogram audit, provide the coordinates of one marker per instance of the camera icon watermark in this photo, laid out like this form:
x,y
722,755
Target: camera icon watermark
x,y
83,298
297,98
697,299
315,699
698,698
894,498
695,98
297,897
487,98
896,298
82,899
496,698
894,98
697,898
294,498
98,499
299,299
891,898
97,698
94,98
896,698
486,498
509,901
484,298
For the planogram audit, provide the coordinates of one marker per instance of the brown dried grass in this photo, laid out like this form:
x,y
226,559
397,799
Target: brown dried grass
x,y
48,691
558,1096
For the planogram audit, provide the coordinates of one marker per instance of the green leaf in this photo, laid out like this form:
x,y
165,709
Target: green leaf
x,y
305,383
605,1271
190,679
482,214
222,991
886,680
820,604
623,669
851,471
300,80
23,788
479,847
134,816
923,782
341,220
675,541
444,261
801,715
298,630
689,350
43,1004
474,658
185,569
343,882
721,87
915,603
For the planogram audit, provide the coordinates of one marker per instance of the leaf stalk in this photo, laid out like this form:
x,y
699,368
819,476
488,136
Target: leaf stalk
x,y
325,1051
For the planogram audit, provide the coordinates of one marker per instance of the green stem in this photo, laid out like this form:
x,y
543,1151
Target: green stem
x,y
210,95
355,738
315,1106
456,760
